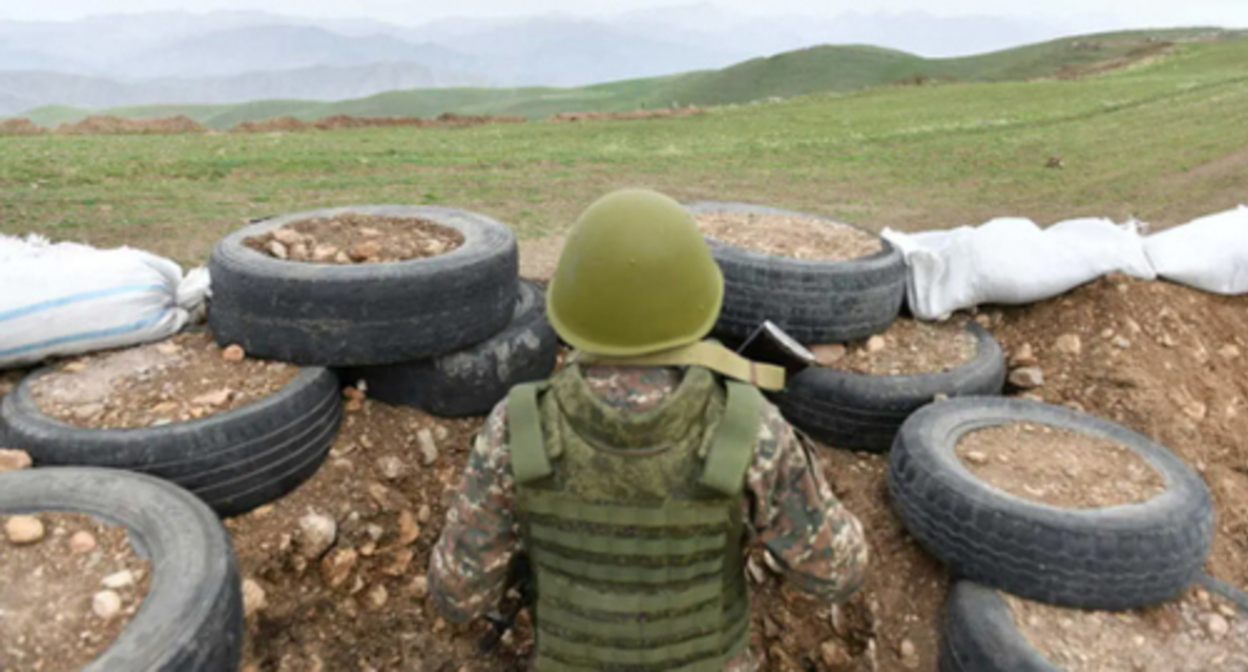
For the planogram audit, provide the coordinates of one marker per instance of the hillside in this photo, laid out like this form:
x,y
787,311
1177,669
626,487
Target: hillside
x,y
829,69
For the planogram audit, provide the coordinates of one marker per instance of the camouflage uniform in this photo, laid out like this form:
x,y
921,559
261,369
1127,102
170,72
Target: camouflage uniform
x,y
816,542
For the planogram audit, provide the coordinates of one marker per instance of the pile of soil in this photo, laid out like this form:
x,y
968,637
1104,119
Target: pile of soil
x,y
357,600
67,595
184,378
19,127
571,117
908,348
1059,467
115,126
357,239
794,237
1165,361
345,122
1195,633
275,125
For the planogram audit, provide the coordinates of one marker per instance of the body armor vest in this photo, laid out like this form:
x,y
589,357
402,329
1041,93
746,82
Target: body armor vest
x,y
633,523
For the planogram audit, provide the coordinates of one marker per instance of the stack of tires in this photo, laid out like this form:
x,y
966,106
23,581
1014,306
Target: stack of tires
x,y
1115,558
823,302
449,334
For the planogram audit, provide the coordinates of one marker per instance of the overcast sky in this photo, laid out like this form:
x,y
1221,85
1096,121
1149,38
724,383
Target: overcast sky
x,y
1126,12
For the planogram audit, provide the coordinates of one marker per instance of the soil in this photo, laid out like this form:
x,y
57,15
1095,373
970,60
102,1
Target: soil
x,y
116,126
389,506
357,239
47,619
908,348
796,237
1180,380
19,127
182,379
345,122
1195,633
566,117
1059,467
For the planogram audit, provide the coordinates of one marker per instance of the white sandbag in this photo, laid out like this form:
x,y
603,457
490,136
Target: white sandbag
x,y
1210,253
1013,261
68,299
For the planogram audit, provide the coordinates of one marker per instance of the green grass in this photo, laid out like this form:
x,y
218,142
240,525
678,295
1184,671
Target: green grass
x,y
809,71
1165,141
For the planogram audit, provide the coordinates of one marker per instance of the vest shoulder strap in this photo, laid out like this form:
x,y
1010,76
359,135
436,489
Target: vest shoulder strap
x,y
529,461
732,447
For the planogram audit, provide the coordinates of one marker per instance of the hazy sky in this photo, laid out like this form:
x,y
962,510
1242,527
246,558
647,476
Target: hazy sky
x,y
1126,12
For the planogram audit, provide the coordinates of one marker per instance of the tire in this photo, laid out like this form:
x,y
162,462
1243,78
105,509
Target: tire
x,y
862,412
1114,558
816,302
472,381
192,617
980,635
328,315
234,461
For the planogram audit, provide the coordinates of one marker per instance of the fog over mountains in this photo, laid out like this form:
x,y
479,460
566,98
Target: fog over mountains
x,y
231,57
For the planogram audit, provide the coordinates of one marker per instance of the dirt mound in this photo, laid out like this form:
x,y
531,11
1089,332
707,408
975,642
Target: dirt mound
x,y
19,127
1146,52
106,125
1166,361
278,125
344,122
567,117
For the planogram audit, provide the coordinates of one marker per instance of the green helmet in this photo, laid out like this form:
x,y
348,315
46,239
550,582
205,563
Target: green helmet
x,y
635,277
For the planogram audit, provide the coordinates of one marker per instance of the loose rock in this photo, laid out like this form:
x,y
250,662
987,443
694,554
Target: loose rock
x,y
369,249
1024,356
214,399
277,250
82,542
876,344
428,447
1027,378
14,460
826,355
1217,626
106,604
122,579
255,600
391,467
1069,344
233,354
337,566
22,530
317,532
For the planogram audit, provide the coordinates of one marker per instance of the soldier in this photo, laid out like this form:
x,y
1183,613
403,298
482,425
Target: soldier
x,y
634,478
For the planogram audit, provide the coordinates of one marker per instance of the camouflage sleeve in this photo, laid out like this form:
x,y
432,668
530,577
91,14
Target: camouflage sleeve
x,y
817,543
469,565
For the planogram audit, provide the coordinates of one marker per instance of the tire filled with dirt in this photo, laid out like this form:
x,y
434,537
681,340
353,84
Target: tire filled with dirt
x,y
989,631
472,381
363,285
858,396
237,432
819,280
191,618
1050,504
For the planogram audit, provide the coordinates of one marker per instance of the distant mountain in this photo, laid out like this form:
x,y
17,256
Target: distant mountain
x,y
278,47
29,89
808,71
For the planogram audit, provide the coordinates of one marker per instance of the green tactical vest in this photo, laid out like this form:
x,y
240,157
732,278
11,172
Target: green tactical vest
x,y
633,523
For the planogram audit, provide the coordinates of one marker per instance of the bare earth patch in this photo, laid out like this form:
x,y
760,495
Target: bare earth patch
x,y
1195,633
67,596
795,237
185,378
357,239
908,348
1059,467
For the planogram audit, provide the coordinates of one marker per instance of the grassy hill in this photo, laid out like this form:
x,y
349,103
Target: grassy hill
x,y
818,70
1165,141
